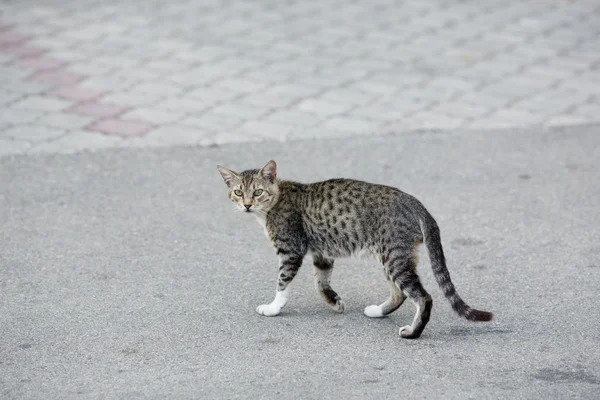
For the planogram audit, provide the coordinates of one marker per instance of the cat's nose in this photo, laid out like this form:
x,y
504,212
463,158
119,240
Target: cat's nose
x,y
247,206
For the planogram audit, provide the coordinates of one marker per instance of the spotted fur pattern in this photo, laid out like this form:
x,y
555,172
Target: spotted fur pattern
x,y
340,218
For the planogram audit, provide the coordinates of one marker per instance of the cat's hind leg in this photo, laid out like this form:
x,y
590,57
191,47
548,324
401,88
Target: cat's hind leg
x,y
401,265
289,264
395,300
323,269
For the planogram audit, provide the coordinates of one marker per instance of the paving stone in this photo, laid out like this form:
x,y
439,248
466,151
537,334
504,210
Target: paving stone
x,y
154,116
75,93
429,120
174,134
120,127
567,119
67,121
56,77
212,95
8,97
324,69
39,63
185,104
322,107
127,99
240,110
9,37
268,130
24,51
212,122
589,111
269,100
33,132
25,88
9,146
349,124
77,141
509,117
295,118
157,89
85,67
41,103
19,116
462,110
95,109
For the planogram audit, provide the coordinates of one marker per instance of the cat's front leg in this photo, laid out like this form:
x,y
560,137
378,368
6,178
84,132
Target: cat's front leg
x,y
289,265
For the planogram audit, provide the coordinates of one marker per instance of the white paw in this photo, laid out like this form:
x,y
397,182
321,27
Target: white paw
x,y
406,331
340,306
268,310
373,311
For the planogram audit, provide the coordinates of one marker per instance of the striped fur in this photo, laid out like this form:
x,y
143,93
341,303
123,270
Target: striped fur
x,y
341,218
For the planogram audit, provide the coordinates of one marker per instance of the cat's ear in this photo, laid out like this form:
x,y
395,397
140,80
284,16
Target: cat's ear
x,y
227,174
269,171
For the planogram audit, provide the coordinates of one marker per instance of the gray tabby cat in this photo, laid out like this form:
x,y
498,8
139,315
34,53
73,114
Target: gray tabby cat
x,y
340,218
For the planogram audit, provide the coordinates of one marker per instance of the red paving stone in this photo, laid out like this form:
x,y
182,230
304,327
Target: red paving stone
x,y
94,109
119,127
75,93
22,51
39,63
56,77
10,38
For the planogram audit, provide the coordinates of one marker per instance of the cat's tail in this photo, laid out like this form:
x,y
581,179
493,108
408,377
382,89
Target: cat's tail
x,y
432,240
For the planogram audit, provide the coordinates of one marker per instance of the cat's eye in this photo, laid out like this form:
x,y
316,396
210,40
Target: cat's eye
x,y
238,193
258,192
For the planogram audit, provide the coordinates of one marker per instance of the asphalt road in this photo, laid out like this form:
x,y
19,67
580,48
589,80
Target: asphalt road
x,y
127,274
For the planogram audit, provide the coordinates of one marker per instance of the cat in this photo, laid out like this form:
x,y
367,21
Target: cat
x,y
340,218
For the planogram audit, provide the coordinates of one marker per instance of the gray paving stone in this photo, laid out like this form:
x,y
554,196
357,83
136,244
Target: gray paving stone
x,y
212,122
41,103
176,134
347,96
67,121
264,100
462,110
17,116
295,118
240,110
589,111
25,88
8,97
156,89
508,117
185,104
89,68
9,146
127,98
567,120
33,133
11,73
350,124
391,109
77,141
322,107
154,115
268,130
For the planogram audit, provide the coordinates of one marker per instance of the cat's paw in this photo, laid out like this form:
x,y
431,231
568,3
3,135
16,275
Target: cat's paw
x,y
339,306
407,332
373,311
268,310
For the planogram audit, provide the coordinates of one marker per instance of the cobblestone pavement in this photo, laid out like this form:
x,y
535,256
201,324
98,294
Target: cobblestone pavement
x,y
93,74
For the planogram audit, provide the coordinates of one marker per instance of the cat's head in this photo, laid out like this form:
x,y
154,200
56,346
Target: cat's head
x,y
253,189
